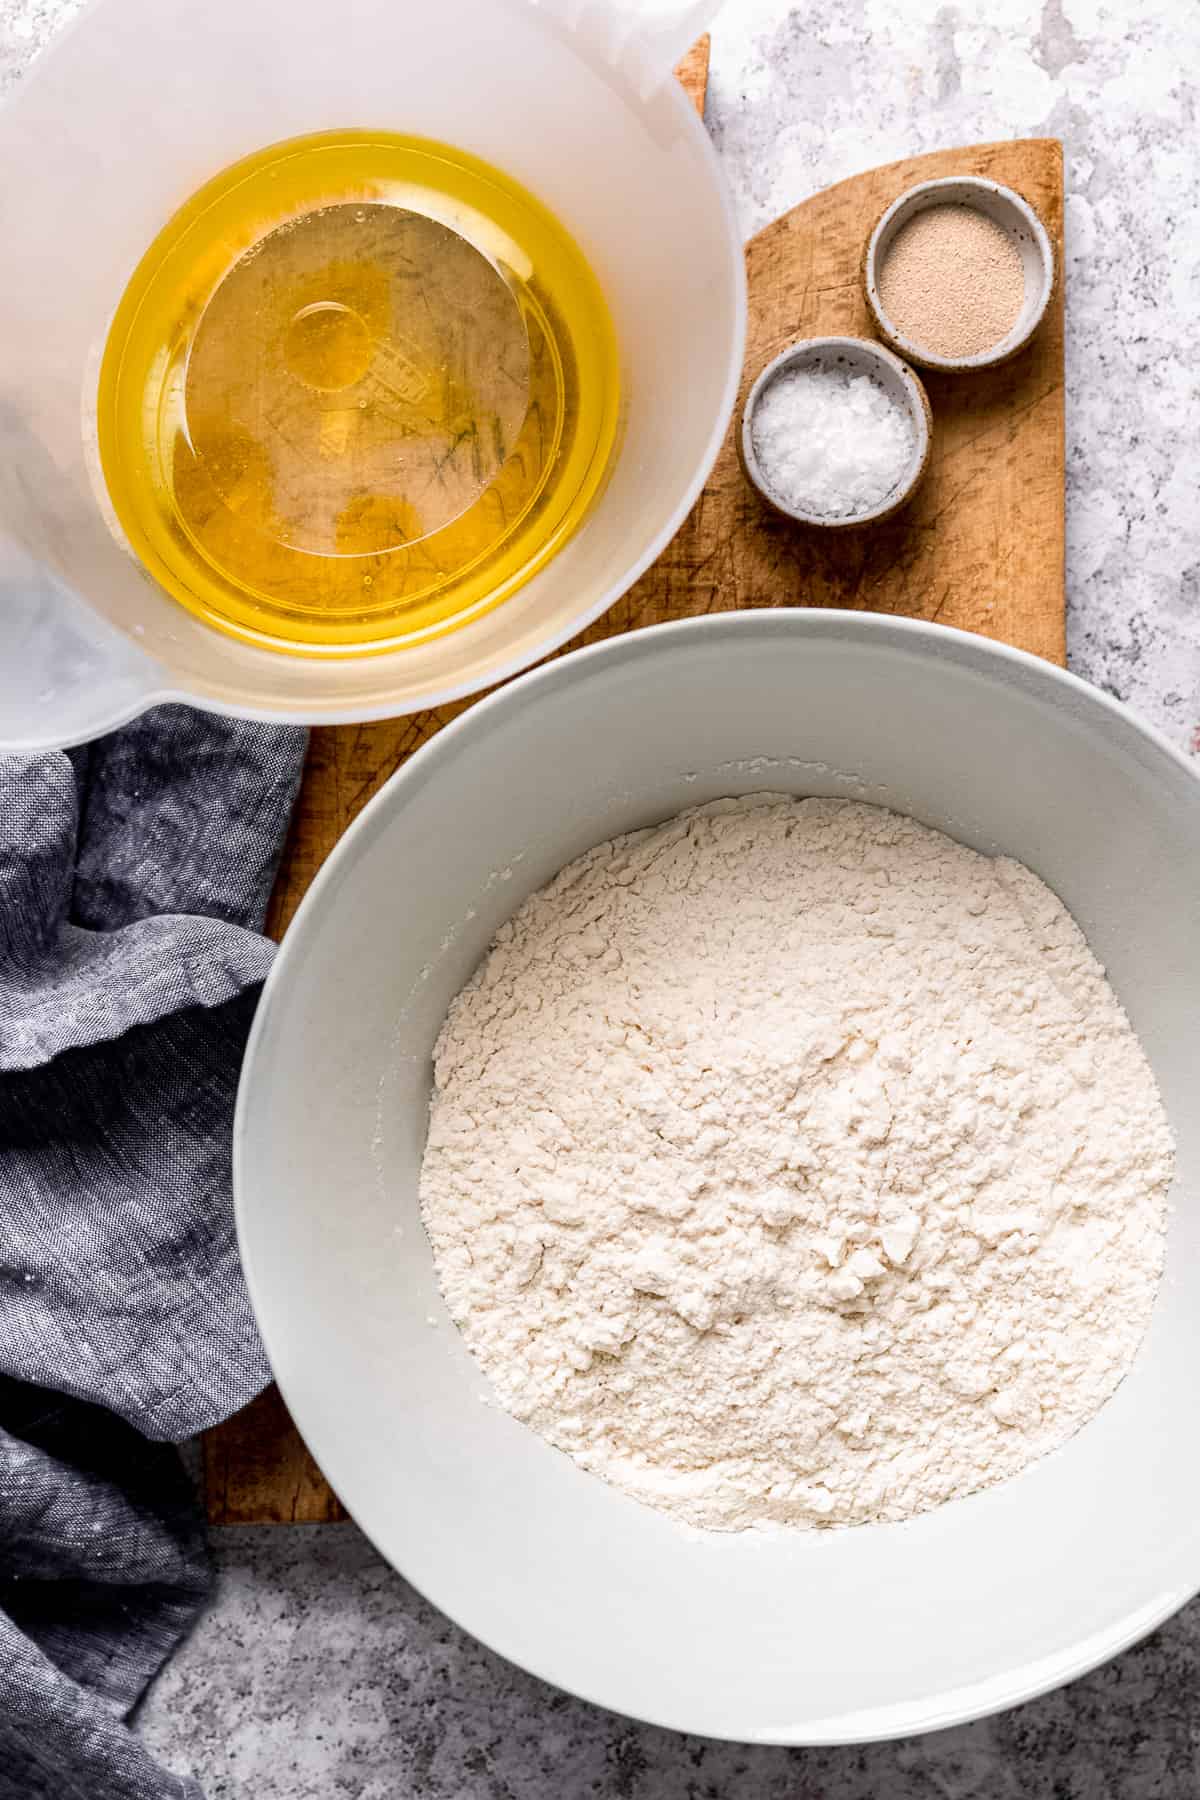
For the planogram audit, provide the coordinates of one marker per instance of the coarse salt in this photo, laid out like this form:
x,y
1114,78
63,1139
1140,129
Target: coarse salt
x,y
831,443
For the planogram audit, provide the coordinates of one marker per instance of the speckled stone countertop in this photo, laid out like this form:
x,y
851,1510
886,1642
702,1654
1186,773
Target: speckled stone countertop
x,y
320,1675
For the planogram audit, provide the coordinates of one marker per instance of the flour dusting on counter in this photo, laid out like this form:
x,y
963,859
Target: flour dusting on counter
x,y
791,1163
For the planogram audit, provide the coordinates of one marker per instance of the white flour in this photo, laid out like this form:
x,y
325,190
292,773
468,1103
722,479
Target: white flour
x,y
791,1162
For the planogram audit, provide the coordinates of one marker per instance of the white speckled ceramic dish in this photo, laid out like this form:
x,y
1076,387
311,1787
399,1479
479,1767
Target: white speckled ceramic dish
x,y
857,356
786,1637
1010,211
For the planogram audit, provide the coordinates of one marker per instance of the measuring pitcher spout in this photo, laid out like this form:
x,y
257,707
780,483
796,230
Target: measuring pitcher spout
x,y
65,675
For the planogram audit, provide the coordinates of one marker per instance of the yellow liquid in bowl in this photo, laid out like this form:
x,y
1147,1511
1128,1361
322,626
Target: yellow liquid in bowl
x,y
359,389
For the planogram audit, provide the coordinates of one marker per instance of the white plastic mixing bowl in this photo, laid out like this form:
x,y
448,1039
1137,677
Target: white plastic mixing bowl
x,y
576,102
805,1637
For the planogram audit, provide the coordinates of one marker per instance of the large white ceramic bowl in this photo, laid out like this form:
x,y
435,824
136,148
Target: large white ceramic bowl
x,y
792,1638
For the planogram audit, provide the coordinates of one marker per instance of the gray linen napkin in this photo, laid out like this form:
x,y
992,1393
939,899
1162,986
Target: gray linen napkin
x,y
134,877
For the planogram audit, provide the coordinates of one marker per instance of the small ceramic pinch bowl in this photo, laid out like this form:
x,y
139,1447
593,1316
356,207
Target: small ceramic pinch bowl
x,y
856,356
1023,226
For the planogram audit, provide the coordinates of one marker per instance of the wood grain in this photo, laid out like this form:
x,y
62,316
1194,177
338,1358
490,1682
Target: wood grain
x,y
982,548
693,72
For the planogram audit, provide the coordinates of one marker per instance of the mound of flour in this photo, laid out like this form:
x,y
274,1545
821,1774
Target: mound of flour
x,y
792,1163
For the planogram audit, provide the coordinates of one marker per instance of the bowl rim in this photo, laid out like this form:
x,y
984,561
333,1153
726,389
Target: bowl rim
x,y
983,359
919,411
967,650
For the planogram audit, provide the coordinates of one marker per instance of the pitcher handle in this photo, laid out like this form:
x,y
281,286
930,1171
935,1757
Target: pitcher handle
x,y
662,31
643,38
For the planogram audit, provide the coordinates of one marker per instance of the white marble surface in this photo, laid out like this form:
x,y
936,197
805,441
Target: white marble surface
x,y
802,96
322,1676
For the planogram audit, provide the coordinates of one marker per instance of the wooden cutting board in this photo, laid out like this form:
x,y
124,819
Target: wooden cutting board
x,y
980,548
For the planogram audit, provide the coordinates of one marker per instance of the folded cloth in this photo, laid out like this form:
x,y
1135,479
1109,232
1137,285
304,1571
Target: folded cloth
x,y
134,878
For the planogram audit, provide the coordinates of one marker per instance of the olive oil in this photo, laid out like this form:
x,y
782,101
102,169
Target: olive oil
x,y
357,391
